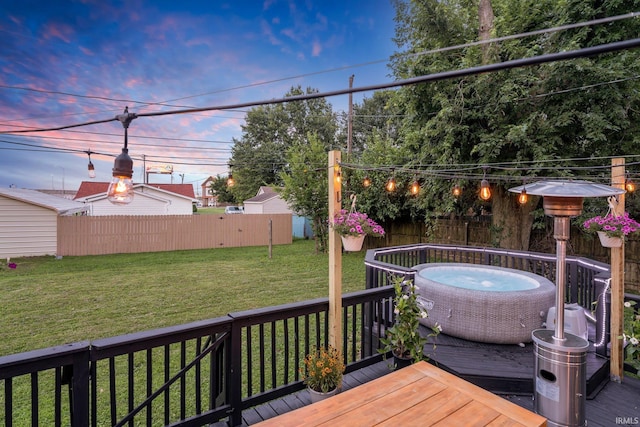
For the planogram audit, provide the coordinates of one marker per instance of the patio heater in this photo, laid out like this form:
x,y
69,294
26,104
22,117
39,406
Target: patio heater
x,y
560,380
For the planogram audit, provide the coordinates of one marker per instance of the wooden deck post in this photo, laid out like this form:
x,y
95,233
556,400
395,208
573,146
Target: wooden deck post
x,y
617,279
335,253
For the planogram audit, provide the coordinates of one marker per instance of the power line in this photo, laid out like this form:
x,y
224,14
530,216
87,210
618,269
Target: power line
x,y
500,66
428,52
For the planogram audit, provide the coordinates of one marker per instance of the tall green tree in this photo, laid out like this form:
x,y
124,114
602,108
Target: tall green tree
x,y
258,157
305,185
532,116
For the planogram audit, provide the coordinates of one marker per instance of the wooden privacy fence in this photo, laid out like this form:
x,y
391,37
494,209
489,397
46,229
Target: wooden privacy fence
x,y
99,235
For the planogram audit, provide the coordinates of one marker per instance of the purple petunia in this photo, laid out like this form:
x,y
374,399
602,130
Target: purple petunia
x,y
613,226
355,223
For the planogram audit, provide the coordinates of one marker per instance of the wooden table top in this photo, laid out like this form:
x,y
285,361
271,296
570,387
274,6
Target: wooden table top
x,y
418,395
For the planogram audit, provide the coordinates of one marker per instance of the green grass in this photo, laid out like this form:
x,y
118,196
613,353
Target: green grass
x,y
48,301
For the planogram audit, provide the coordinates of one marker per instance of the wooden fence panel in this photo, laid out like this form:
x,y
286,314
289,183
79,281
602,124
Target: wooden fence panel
x,y
99,235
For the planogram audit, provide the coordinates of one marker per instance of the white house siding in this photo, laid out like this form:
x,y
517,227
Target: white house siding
x,y
26,230
143,205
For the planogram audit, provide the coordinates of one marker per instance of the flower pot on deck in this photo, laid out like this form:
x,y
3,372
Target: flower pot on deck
x,y
317,396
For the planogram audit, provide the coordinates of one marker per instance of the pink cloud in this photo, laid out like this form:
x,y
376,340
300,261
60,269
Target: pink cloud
x,y
86,51
266,30
316,48
60,31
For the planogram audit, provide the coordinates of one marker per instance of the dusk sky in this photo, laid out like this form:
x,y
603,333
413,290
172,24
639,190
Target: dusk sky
x,y
72,62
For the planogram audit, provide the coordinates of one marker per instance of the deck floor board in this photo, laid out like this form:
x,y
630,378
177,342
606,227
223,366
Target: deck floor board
x,y
509,367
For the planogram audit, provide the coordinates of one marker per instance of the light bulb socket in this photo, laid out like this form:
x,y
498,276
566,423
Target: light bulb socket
x,y
123,165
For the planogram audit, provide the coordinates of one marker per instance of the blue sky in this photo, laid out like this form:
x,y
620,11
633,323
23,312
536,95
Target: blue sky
x,y
70,62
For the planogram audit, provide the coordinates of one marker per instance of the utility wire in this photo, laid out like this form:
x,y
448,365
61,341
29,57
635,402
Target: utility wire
x,y
516,63
428,52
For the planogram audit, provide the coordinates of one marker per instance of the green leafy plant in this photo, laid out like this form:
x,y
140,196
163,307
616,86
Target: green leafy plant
x,y
323,369
612,226
631,335
403,339
356,224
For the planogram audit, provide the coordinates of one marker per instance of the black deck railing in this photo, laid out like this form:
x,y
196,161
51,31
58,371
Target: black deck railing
x,y
203,372
188,375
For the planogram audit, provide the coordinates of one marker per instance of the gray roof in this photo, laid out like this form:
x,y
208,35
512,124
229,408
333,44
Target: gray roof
x,y
60,205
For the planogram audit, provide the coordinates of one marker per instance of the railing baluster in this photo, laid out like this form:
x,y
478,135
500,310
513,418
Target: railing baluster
x,y
58,397
262,361
198,379
167,375
149,385
112,389
274,369
35,405
183,380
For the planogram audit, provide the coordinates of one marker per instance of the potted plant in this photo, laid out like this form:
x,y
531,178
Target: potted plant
x,y
611,229
353,227
322,372
403,339
631,335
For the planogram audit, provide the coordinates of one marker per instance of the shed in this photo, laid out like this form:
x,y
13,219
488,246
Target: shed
x,y
269,201
266,201
29,221
149,199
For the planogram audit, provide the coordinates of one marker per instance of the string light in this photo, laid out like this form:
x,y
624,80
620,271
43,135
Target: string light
x,y
485,191
391,185
366,182
415,187
629,185
337,174
230,181
457,191
523,198
90,167
120,191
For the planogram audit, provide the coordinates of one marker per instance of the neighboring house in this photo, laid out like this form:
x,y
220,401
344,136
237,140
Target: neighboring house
x,y
269,201
207,198
266,201
149,199
29,221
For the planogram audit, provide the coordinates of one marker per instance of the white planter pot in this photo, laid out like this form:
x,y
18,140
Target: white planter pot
x,y
609,242
352,243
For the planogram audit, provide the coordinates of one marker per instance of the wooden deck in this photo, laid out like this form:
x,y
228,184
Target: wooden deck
x,y
506,370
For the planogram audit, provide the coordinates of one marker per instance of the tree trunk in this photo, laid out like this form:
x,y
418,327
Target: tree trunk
x,y
511,221
485,17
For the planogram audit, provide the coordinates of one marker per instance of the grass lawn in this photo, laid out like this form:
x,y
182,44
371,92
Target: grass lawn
x,y
48,301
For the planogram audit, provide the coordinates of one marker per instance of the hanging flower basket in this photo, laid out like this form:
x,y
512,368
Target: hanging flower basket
x,y
352,243
612,229
608,241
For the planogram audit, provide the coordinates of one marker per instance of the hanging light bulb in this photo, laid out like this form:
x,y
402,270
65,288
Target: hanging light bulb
x,y
90,167
485,191
120,190
366,182
523,198
415,188
230,181
391,185
457,191
337,174
629,185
